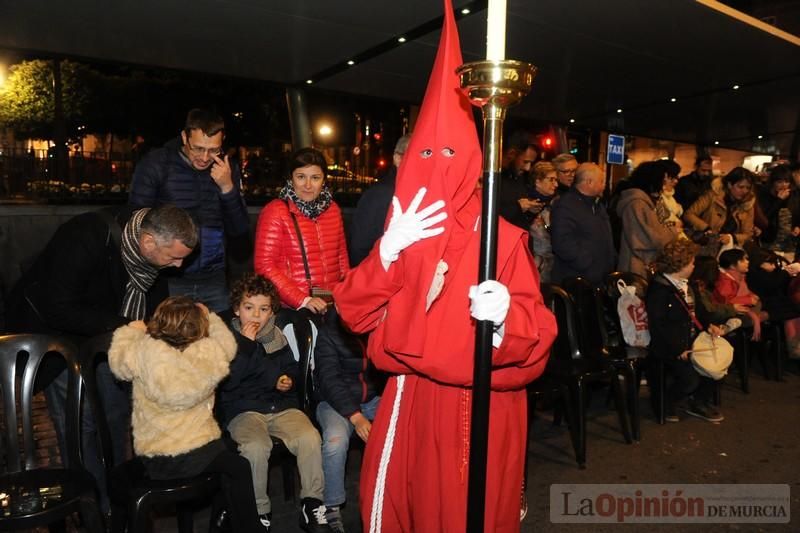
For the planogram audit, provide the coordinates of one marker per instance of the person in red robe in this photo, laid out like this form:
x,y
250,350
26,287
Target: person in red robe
x,y
416,294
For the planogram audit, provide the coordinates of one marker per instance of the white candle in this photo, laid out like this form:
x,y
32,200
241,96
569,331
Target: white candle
x,y
496,31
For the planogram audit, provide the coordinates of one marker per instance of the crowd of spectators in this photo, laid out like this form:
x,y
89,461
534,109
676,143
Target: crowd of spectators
x,y
718,251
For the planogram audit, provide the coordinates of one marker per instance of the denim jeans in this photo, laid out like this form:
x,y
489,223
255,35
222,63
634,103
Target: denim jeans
x,y
210,289
336,432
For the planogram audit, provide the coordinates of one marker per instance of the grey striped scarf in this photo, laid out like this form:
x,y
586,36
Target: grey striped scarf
x,y
270,337
142,274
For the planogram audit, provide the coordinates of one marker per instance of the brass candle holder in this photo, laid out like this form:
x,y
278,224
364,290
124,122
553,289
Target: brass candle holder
x,y
495,86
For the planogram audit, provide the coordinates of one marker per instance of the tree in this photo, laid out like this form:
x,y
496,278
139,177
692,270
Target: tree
x,y
26,99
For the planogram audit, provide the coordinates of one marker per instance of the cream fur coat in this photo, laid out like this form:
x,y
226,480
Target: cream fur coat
x,y
173,391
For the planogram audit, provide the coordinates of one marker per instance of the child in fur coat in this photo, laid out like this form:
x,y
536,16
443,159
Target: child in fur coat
x,y
175,362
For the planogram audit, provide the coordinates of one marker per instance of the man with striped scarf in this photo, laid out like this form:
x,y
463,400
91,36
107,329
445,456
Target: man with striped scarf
x,y
99,271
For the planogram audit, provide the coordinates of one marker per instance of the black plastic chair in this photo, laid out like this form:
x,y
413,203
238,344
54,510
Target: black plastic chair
x,y
615,344
572,369
597,325
133,496
40,496
740,339
280,455
773,334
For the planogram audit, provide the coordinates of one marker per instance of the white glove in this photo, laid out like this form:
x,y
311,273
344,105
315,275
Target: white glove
x,y
407,228
490,301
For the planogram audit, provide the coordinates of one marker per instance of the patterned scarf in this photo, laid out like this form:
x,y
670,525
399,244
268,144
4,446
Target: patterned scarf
x,y
270,337
311,209
142,274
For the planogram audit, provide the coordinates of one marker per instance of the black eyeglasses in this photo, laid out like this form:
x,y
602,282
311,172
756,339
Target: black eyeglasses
x,y
197,150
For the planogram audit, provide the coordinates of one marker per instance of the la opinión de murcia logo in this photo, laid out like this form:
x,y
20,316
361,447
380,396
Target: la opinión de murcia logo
x,y
652,503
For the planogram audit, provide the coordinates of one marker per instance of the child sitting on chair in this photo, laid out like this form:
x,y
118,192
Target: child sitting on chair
x,y
258,400
175,362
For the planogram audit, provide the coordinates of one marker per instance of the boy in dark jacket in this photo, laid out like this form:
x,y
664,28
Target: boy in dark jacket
x,y
258,400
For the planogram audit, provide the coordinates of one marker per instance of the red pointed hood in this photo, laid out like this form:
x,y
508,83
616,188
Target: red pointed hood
x,y
444,156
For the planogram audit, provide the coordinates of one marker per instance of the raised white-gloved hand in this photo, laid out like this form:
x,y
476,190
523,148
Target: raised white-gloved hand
x,y
490,301
406,228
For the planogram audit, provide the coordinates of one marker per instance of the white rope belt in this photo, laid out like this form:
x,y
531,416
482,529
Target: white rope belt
x,y
376,515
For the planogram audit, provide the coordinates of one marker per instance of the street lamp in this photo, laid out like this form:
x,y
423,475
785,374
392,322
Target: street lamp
x,y
325,130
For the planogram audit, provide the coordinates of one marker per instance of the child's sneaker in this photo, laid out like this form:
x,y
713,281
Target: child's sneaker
x,y
312,516
266,521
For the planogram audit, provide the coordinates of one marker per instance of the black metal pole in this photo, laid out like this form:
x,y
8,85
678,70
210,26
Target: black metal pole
x,y
482,373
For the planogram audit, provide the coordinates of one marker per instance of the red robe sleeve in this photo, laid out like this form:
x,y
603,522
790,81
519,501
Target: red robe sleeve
x,y
362,297
530,328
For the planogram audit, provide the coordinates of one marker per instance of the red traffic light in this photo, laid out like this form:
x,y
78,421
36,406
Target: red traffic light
x,y
547,142
377,136
381,162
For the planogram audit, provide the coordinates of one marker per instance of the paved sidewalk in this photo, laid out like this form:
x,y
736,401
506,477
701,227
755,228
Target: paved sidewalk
x,y
759,442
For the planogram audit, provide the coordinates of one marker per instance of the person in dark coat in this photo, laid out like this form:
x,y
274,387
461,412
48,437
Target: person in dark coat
x,y
580,230
348,387
673,328
369,218
694,185
99,271
781,210
194,173
258,400
513,202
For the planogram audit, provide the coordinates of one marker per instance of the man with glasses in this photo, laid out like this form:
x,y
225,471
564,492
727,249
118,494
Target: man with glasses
x,y
566,165
192,172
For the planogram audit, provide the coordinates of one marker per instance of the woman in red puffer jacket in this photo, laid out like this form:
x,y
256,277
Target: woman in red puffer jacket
x,y
278,250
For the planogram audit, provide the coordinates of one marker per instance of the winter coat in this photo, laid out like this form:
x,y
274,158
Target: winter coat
x,y
344,375
727,290
581,236
278,256
672,329
164,176
173,390
643,236
78,281
713,311
369,218
710,212
542,245
691,187
254,375
773,289
780,218
512,188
